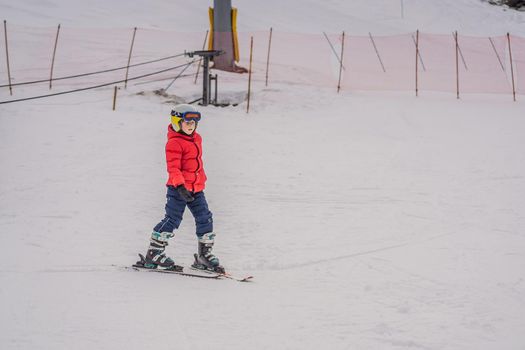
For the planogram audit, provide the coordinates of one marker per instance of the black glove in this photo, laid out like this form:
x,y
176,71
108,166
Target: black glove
x,y
185,194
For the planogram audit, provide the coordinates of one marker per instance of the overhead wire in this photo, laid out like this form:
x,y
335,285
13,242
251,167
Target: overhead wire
x,y
91,73
98,86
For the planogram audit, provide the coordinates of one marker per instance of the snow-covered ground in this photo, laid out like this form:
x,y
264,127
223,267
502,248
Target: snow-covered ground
x,y
370,220
358,17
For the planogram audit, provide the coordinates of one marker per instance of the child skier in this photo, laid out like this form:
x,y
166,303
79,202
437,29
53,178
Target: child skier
x,y
185,186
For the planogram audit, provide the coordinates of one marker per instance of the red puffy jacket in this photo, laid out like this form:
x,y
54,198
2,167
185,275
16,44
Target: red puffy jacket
x,y
184,160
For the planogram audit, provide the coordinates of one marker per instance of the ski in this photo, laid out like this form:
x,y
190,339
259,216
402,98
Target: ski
x,y
224,275
236,278
200,271
197,266
175,272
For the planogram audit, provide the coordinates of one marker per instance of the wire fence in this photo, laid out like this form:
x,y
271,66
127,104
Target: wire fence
x,y
407,62
78,59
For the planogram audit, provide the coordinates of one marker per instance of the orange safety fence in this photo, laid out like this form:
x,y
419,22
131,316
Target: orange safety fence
x,y
474,65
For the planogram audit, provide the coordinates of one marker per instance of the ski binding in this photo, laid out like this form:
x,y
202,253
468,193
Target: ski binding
x,y
176,270
200,267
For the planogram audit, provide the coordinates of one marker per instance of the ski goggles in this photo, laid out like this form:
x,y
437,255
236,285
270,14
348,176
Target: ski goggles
x,y
187,116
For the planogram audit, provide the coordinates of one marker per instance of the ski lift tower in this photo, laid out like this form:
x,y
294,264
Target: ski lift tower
x,y
206,76
223,36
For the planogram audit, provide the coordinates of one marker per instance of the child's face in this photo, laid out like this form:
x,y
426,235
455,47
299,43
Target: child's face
x,y
188,127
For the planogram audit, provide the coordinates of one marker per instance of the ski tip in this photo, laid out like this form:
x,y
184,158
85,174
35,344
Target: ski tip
x,y
238,279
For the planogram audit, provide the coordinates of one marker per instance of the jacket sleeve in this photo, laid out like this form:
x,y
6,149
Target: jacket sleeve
x,y
173,162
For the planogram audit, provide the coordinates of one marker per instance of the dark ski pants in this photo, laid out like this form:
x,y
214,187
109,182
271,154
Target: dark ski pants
x,y
175,207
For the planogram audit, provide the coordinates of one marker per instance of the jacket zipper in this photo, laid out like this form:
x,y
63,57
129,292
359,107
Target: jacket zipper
x,y
198,167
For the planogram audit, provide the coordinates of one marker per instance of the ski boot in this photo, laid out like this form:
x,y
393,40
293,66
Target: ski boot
x,y
204,259
155,256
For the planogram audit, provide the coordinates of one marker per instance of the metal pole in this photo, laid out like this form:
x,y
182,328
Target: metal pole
x,y
341,62
53,59
250,76
129,58
457,64
402,9
511,69
216,82
7,58
417,56
205,81
268,57
200,60
209,87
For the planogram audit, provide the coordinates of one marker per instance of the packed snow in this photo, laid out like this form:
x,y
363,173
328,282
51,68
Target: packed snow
x,y
370,220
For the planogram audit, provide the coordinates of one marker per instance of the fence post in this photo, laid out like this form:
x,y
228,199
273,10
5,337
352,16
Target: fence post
x,y
250,76
200,60
461,53
511,69
268,57
420,58
115,97
333,50
7,59
417,60
457,63
129,58
53,58
341,62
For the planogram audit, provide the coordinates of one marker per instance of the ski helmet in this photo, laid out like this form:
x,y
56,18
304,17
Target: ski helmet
x,y
183,112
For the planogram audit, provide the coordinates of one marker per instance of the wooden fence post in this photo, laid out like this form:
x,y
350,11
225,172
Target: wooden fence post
x,y
268,56
115,98
250,76
7,59
417,60
129,58
341,62
420,58
457,64
460,52
53,58
511,69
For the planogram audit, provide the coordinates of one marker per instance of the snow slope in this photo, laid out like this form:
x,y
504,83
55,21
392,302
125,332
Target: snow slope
x,y
357,17
371,221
